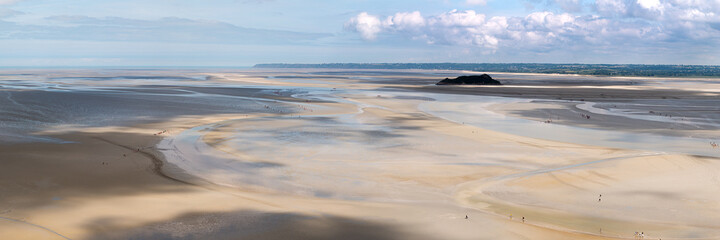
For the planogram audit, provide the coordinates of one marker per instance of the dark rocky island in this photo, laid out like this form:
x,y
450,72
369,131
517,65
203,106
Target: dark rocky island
x,y
470,80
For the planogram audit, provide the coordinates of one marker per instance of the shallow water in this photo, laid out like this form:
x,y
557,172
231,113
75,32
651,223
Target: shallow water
x,y
344,136
631,110
30,106
472,110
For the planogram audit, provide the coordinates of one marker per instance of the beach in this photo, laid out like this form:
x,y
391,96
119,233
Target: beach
x,y
355,154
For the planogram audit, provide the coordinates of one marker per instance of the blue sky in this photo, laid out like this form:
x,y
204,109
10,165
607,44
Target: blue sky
x,y
245,32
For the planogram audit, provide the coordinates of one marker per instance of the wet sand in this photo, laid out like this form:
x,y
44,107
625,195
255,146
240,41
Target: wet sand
x,y
318,154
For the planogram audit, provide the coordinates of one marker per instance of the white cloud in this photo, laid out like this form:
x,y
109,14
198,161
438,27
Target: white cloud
x,y
405,21
619,22
661,10
457,18
469,28
650,4
677,20
476,2
367,25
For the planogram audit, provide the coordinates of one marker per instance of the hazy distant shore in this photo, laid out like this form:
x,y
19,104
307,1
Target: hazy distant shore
x,y
640,70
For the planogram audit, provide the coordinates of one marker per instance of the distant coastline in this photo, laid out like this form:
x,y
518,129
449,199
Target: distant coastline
x,y
628,70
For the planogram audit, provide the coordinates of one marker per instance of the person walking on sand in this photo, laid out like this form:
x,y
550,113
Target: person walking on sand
x,y
466,216
523,219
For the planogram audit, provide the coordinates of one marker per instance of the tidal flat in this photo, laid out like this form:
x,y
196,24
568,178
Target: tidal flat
x,y
355,154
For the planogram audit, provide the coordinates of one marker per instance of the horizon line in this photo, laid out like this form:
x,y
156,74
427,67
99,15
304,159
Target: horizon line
x,y
327,63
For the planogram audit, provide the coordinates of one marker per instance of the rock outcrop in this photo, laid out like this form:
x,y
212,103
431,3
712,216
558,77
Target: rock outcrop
x,y
470,80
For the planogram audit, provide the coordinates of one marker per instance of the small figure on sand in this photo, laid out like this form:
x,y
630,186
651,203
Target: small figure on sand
x,y
466,216
600,198
523,219
510,216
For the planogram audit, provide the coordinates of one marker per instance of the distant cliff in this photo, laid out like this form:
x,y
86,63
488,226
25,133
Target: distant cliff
x,y
470,80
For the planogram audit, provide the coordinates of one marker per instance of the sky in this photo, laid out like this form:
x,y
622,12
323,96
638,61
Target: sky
x,y
246,32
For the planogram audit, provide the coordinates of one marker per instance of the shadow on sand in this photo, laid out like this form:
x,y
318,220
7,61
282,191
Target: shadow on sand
x,y
252,225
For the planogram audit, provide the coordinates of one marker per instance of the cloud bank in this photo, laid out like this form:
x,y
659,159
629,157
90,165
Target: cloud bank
x,y
612,22
170,29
